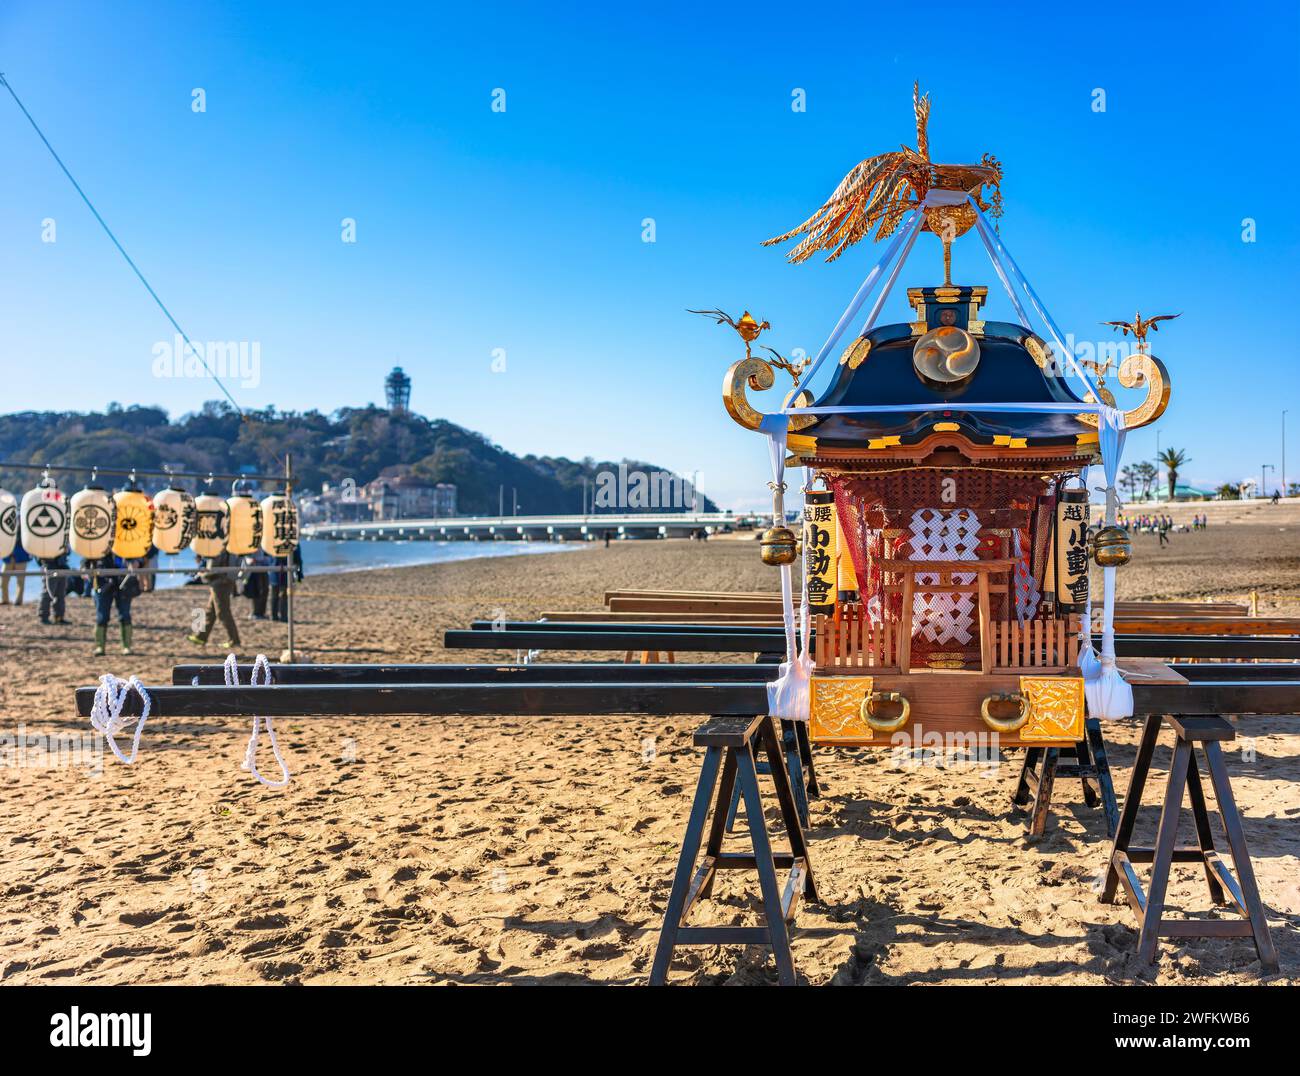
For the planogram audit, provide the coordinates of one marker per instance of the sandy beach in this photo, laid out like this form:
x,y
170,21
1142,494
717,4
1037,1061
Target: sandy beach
x,y
541,850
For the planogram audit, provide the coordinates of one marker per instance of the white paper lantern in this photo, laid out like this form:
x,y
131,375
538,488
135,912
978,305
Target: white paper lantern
x,y
8,523
279,525
92,523
211,525
43,522
245,525
174,519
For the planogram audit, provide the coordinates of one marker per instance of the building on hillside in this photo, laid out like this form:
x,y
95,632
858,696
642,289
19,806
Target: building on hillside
x,y
336,503
409,497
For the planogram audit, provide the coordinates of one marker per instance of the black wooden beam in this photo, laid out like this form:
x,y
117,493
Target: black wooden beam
x,y
583,699
615,627
318,700
1221,670
583,672
728,640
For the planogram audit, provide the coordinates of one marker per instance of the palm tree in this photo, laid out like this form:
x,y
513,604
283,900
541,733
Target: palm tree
x,y
1173,458
1129,481
1145,472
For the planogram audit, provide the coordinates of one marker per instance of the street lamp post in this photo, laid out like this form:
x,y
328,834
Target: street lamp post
x,y
1157,482
1284,453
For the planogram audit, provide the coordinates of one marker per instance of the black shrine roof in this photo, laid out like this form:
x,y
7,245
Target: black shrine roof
x,y
1007,373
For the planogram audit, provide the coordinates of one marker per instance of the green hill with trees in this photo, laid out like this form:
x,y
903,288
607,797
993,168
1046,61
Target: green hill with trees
x,y
360,444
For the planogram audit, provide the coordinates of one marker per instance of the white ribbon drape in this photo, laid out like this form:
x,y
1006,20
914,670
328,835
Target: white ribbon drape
x,y
788,696
1107,692
905,235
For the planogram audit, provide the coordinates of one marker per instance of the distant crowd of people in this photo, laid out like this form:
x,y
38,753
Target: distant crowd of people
x,y
114,584
1161,525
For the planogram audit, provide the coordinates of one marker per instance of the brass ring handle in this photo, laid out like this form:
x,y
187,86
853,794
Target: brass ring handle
x,y
1007,724
881,724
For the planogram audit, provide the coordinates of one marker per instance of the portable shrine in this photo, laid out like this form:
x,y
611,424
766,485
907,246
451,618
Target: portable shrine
x,y
945,542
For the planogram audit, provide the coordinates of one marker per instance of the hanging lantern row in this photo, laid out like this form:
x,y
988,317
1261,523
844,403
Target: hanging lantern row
x,y
93,523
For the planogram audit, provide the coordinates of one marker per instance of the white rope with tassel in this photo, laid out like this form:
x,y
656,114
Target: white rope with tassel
x,y
106,712
262,666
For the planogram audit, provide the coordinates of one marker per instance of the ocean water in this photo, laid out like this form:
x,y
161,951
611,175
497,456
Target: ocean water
x,y
323,557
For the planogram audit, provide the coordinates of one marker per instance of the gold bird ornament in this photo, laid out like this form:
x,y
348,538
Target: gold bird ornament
x,y
794,369
1140,326
748,328
879,191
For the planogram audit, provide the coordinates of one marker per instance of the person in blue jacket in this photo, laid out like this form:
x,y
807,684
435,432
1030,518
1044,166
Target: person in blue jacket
x,y
16,565
112,591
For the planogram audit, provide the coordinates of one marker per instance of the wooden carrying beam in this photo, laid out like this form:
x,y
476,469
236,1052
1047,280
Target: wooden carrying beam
x,y
577,672
606,672
654,697
718,639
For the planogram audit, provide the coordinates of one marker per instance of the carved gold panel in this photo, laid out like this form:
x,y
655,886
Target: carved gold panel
x,y
836,710
1058,709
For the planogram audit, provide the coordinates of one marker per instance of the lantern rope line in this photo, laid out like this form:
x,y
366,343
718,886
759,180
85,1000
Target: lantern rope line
x,y
120,249
263,667
106,712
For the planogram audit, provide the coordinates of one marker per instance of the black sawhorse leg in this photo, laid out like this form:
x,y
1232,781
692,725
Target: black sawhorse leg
x,y
1184,775
798,761
1085,760
729,744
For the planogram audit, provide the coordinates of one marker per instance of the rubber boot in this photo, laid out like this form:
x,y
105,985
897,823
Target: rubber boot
x,y
101,636
126,638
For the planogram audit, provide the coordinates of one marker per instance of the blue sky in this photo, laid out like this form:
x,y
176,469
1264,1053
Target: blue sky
x,y
479,230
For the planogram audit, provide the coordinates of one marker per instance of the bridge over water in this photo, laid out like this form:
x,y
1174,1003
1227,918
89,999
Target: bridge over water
x,y
536,528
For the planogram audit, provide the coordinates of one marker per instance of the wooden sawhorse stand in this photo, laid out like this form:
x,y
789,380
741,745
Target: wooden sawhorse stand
x,y
1185,775
729,743
1085,760
799,765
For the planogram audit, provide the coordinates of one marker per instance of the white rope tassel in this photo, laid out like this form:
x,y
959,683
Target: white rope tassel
x,y
259,723
106,712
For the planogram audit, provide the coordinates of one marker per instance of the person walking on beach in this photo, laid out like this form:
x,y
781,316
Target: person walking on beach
x,y
1164,530
16,565
280,582
54,595
221,589
256,587
112,591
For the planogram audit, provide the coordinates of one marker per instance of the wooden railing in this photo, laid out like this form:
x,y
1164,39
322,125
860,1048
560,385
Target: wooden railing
x,y
851,641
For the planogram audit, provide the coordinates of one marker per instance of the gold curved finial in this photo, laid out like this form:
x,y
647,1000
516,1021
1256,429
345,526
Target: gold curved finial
x,y
757,375
1140,368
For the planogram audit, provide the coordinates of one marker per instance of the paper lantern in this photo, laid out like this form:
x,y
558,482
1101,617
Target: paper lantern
x,y
8,523
279,525
211,525
1071,550
133,526
174,518
92,523
846,576
245,525
43,522
819,549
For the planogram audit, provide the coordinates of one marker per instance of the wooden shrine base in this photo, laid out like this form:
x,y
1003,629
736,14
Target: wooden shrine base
x,y
946,702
